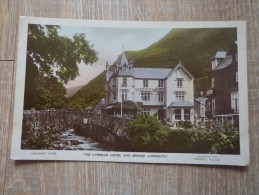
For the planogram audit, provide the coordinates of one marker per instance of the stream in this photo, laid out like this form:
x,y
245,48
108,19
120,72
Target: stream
x,y
68,140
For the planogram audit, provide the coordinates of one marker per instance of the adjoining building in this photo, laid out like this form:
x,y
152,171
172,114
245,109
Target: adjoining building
x,y
223,94
167,93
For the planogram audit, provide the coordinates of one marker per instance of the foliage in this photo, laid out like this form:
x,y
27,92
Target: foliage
x,y
37,139
51,62
146,133
129,105
223,141
184,124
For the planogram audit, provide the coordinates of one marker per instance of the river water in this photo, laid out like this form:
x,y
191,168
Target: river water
x,y
68,140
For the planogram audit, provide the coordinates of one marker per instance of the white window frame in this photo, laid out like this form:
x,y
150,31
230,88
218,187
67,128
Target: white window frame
x,y
145,111
179,82
179,96
160,97
235,102
213,105
176,115
124,95
161,83
124,80
145,83
187,113
114,96
212,82
145,96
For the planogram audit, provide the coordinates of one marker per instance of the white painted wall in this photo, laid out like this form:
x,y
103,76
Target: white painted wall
x,y
171,87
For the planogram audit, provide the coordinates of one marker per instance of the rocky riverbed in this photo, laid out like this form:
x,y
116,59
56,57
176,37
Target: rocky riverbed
x,y
68,140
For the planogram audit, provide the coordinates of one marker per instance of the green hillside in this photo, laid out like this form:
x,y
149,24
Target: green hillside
x,y
193,47
90,94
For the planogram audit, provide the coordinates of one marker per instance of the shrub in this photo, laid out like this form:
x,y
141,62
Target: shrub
x,y
147,133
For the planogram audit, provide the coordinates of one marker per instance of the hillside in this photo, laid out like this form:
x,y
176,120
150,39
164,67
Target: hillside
x,y
72,90
90,94
193,47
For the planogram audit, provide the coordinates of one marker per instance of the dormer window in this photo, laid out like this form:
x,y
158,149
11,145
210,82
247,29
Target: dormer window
x,y
124,68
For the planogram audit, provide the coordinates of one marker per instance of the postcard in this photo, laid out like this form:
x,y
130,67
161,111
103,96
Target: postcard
x,y
126,91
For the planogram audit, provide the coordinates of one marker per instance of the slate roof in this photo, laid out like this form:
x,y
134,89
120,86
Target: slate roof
x,y
121,60
220,54
225,63
184,104
150,73
110,73
143,73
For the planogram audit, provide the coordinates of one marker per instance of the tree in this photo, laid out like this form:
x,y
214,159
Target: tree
x,y
147,133
51,62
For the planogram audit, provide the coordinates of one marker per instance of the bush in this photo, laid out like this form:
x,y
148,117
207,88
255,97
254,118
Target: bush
x,y
147,133
225,141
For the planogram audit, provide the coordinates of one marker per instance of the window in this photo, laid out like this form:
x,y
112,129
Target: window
x,y
179,96
145,83
212,82
145,111
213,103
178,114
160,97
114,81
124,80
124,96
114,96
235,102
161,83
187,114
145,96
124,68
236,76
179,82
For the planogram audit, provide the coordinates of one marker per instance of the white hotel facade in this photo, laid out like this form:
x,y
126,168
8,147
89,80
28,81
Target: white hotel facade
x,y
168,93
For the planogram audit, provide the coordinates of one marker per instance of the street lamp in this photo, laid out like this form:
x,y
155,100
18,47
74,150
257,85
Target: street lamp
x,y
121,106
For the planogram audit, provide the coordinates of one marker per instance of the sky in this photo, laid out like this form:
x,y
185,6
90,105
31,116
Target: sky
x,y
109,43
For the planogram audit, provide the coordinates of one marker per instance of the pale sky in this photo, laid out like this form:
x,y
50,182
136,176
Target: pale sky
x,y
108,42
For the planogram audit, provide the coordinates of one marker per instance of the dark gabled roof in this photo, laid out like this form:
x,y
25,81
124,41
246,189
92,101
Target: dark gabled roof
x,y
184,104
109,74
121,60
225,63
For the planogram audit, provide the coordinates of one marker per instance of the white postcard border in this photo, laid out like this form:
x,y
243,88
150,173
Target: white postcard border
x,y
211,159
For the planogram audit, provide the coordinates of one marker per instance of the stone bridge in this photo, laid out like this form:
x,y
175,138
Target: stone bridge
x,y
60,120
110,123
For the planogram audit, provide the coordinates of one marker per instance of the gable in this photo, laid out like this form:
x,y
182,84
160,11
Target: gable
x,y
180,67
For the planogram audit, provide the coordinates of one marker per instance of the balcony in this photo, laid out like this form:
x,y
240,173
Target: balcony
x,y
147,89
